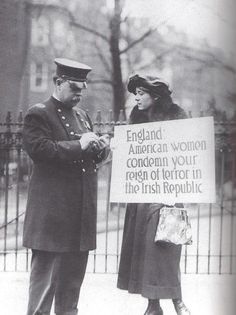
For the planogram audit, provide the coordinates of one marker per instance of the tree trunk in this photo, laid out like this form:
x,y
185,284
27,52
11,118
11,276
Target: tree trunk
x,y
118,88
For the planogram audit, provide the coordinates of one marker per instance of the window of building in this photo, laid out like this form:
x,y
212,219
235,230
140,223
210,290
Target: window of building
x,y
60,34
59,28
40,31
38,77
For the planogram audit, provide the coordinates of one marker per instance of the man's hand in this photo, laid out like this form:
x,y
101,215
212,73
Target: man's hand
x,y
87,139
104,141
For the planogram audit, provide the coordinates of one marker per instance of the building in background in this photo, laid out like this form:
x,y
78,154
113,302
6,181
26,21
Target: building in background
x,y
201,77
53,34
50,37
34,32
14,43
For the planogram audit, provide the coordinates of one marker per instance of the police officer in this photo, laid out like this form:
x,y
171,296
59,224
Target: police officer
x,y
60,220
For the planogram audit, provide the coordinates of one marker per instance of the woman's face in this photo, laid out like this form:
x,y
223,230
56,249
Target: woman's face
x,y
144,99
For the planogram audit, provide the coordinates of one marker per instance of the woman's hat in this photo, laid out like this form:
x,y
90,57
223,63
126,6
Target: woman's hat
x,y
153,85
72,70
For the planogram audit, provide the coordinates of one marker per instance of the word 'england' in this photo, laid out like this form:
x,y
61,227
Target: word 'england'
x,y
143,135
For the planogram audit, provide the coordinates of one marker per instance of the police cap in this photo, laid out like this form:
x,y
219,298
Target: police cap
x,y
71,69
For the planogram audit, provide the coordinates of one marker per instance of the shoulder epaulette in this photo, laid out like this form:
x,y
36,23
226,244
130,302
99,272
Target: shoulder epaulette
x,y
38,105
36,108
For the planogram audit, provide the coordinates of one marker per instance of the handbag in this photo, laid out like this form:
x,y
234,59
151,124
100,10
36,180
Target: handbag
x,y
174,226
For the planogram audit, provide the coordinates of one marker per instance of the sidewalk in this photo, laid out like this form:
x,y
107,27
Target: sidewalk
x,y
203,294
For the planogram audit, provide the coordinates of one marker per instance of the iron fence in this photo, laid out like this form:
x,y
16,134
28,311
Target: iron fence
x,y
214,225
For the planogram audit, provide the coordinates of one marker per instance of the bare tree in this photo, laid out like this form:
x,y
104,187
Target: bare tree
x,y
107,42
115,34
113,38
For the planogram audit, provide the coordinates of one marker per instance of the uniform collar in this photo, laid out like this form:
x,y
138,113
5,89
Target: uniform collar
x,y
56,101
60,105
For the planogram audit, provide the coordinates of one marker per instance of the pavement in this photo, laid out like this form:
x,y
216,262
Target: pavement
x,y
203,294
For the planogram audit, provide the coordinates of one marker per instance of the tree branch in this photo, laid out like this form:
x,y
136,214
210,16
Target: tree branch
x,y
212,62
103,59
138,40
167,51
72,18
90,30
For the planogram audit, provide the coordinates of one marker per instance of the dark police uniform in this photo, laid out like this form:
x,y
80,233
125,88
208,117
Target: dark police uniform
x,y
60,220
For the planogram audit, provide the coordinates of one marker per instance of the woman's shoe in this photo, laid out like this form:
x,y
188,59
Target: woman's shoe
x,y
158,311
180,307
153,308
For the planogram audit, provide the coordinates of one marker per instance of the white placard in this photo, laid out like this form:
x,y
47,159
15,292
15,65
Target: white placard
x,y
168,162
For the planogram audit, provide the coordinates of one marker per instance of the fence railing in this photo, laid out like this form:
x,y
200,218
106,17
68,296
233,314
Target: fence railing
x,y
214,225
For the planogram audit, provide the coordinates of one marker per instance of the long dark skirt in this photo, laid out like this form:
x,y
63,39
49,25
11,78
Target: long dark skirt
x,y
148,268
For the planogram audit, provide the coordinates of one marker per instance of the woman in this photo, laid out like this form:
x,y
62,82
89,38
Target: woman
x,y
148,268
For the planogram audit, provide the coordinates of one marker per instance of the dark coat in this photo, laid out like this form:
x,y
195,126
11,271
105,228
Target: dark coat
x,y
62,198
148,268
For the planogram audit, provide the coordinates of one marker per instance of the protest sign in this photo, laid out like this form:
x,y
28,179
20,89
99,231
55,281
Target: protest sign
x,y
168,162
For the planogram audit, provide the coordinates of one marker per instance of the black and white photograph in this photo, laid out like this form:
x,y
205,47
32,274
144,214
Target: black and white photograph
x,y
117,157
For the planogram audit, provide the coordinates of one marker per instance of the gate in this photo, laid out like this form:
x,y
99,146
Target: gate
x,y
214,225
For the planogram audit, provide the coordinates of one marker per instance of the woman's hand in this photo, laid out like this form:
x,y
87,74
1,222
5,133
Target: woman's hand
x,y
113,144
